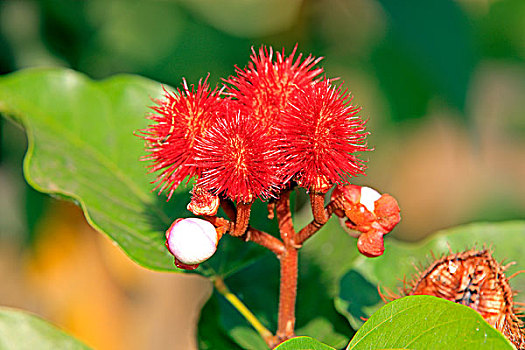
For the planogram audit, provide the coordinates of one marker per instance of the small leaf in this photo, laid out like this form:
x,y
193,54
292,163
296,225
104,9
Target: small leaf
x,y
20,330
302,343
426,322
358,298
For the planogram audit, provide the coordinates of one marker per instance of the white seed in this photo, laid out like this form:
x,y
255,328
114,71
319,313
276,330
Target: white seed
x,y
368,197
192,240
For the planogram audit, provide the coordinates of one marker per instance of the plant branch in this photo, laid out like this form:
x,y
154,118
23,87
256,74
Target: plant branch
x,y
266,240
242,219
318,210
287,294
240,215
252,235
314,226
221,287
284,218
288,278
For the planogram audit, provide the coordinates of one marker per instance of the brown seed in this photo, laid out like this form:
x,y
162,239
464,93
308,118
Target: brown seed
x,y
475,279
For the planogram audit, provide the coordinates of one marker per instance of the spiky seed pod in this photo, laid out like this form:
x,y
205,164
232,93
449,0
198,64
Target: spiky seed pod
x,y
475,279
236,157
320,136
179,119
265,86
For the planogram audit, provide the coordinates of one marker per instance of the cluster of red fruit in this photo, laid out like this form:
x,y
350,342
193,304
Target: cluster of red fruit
x,y
278,120
277,124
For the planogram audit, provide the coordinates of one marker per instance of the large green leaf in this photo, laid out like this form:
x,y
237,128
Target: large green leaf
x,y
302,343
358,296
20,330
82,147
426,322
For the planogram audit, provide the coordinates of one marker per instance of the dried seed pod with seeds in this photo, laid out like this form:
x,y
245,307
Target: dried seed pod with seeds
x,y
475,279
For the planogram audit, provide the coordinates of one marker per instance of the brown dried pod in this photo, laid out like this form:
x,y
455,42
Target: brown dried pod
x,y
475,279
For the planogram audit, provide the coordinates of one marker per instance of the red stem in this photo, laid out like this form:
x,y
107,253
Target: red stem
x,y
251,235
286,251
318,210
266,240
242,219
288,284
316,224
284,218
287,295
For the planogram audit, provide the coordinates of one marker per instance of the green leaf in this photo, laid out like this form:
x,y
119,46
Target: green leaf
x,y
302,343
426,322
82,147
358,296
20,330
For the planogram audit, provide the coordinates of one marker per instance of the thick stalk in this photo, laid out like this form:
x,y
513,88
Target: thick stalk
x,y
288,261
284,218
252,235
287,295
318,210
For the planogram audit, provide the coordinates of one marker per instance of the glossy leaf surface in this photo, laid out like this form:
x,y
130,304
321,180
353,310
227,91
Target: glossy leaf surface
x,y
301,343
82,147
425,322
23,331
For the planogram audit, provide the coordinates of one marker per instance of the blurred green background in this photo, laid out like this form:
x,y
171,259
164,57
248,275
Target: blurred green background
x,y
442,83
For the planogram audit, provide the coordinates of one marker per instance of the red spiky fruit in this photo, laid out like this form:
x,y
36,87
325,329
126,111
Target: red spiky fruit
x,y
265,86
236,157
179,119
320,136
